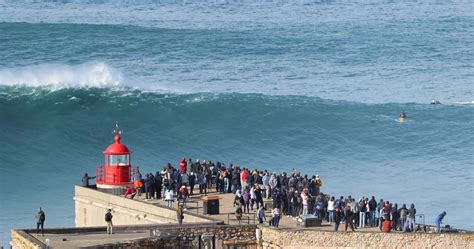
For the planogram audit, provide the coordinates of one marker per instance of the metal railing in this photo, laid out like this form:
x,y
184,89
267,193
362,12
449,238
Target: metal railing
x,y
102,177
246,218
420,217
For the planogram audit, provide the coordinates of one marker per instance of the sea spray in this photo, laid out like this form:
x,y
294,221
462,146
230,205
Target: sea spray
x,y
89,74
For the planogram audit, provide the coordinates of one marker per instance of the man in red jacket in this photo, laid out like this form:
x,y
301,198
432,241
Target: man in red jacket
x,y
182,165
243,178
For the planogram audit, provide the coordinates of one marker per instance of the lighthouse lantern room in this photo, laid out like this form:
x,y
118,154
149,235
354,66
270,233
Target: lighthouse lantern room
x,y
115,175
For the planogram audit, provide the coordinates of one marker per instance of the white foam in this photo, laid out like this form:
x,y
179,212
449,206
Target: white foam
x,y
464,102
89,74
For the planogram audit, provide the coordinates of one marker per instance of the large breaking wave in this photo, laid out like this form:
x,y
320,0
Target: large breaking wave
x,y
90,74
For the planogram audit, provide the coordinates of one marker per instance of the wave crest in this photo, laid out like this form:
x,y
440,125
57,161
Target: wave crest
x,y
89,74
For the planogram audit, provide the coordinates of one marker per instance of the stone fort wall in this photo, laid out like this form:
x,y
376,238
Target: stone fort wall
x,y
90,207
305,238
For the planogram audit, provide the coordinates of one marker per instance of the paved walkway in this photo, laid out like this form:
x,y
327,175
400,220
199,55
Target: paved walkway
x,y
89,239
227,210
195,205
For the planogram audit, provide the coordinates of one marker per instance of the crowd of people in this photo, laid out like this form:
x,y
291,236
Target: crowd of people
x,y
290,195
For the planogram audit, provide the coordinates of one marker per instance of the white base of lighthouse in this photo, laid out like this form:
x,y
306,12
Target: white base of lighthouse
x,y
114,189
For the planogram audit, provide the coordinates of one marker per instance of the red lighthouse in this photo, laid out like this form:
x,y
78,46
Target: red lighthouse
x,y
115,175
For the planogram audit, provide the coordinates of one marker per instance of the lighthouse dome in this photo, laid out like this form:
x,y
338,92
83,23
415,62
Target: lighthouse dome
x,y
117,148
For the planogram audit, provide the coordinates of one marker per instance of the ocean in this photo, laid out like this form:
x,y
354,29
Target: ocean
x,y
311,85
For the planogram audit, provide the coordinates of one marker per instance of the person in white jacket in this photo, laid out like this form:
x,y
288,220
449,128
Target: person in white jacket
x,y
253,198
304,198
169,197
331,209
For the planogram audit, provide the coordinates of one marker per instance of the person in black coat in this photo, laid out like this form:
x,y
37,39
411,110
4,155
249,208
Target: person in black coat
x,y
349,218
337,218
149,184
258,194
235,180
85,180
192,182
158,184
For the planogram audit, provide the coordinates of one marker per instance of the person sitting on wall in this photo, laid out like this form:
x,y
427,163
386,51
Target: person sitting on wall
x,y
130,193
180,214
238,214
386,226
137,181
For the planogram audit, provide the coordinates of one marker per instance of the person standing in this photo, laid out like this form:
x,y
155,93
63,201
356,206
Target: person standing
x,y
439,221
169,197
273,182
108,219
192,182
180,214
202,179
148,186
228,180
235,180
331,209
362,211
337,218
258,194
246,198
158,184
304,198
243,178
85,180
380,213
266,183
253,197
276,217
40,218
319,208
261,215
403,216
349,218
184,194
183,165
411,217
395,217
319,184
372,210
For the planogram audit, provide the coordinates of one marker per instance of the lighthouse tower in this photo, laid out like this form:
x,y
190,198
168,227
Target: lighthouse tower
x,y
115,175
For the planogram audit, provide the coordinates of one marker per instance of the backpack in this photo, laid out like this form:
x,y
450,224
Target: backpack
x,y
108,217
42,216
319,183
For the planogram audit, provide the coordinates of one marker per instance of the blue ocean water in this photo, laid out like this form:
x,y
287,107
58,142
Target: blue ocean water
x,y
313,85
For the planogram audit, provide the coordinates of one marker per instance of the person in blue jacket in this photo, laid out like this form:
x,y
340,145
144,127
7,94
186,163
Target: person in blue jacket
x,y
439,221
